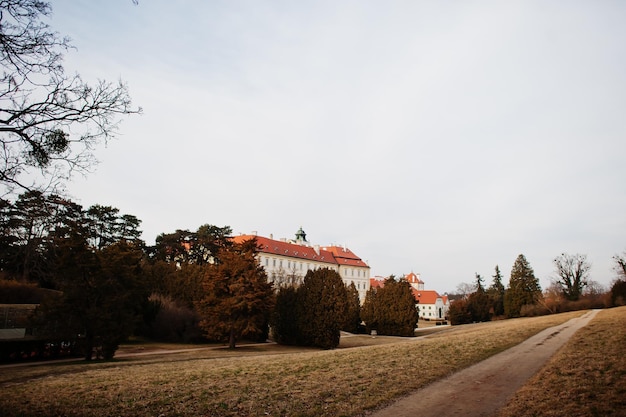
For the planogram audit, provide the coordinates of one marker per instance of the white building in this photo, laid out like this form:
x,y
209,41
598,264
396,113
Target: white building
x,y
432,306
286,262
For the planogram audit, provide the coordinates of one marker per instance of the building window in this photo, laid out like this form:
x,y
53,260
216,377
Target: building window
x,y
274,263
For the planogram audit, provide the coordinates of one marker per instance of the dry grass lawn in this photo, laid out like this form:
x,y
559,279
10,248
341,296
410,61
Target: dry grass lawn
x,y
585,378
263,380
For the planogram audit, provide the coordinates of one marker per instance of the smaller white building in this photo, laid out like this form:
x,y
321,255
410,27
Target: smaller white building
x,y
432,306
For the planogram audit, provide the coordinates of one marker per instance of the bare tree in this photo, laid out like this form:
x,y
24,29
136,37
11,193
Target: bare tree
x,y
49,121
620,265
573,274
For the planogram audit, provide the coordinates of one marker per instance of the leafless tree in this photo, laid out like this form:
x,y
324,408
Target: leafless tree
x,y
283,278
50,122
573,273
620,265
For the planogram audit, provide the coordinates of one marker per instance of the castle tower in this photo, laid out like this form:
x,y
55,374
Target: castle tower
x,y
301,236
415,281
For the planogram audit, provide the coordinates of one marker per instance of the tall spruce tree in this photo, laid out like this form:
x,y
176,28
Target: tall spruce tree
x,y
524,288
496,293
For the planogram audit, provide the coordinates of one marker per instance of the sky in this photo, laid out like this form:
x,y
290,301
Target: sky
x,y
436,137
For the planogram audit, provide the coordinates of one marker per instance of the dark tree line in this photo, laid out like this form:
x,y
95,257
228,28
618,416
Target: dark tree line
x,y
109,285
91,257
523,295
496,301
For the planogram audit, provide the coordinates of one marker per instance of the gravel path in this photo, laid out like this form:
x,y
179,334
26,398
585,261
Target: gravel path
x,y
483,388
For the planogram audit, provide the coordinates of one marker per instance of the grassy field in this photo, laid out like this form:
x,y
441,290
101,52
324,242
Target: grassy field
x,y
585,378
267,380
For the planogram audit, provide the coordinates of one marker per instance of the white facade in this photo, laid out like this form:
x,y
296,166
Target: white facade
x,y
286,262
432,306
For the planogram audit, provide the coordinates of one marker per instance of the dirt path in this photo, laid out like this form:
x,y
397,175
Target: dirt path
x,y
483,388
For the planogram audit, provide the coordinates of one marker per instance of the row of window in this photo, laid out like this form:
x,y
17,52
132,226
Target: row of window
x,y
300,266
290,265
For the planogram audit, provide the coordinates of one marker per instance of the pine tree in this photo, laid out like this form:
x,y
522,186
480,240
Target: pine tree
x,y
496,293
479,303
237,299
524,288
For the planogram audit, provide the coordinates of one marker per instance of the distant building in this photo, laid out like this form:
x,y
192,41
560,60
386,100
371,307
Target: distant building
x,y
432,306
286,262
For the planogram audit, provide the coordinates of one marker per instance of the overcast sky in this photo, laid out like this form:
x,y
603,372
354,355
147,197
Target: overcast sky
x,y
439,137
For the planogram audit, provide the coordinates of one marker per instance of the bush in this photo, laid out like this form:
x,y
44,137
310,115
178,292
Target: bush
x,y
173,322
459,312
533,310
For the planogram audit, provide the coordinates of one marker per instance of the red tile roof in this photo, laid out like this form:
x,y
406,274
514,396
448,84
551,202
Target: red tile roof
x,y
376,283
412,278
423,296
345,256
426,296
332,254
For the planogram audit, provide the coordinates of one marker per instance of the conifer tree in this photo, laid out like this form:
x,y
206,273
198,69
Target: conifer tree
x,y
524,288
369,310
322,305
479,303
459,312
284,320
496,293
353,312
391,309
237,299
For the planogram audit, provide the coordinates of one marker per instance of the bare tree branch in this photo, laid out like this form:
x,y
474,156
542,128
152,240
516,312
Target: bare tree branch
x,y
49,122
573,273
